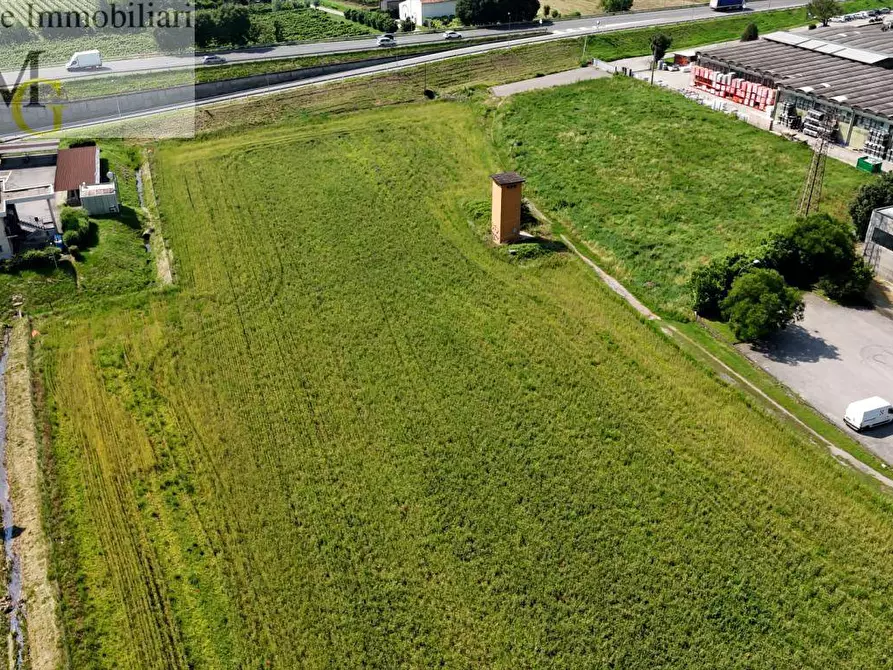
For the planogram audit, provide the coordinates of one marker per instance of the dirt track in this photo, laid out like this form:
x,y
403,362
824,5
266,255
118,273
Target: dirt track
x,y
32,547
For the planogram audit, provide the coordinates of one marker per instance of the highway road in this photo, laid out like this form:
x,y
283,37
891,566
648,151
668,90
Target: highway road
x,y
569,28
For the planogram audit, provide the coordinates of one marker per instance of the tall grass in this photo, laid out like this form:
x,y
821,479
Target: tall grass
x,y
358,436
656,182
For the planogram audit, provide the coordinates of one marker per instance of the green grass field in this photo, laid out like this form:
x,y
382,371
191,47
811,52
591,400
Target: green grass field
x,y
658,184
358,435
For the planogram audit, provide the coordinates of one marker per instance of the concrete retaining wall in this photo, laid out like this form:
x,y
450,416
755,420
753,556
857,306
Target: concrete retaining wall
x,y
109,107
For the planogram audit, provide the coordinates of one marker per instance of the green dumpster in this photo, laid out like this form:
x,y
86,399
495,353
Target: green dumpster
x,y
868,164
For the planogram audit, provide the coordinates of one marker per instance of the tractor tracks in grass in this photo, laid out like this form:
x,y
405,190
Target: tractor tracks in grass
x,y
841,455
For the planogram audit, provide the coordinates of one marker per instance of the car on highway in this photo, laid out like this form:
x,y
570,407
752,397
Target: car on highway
x,y
213,59
452,35
386,41
84,60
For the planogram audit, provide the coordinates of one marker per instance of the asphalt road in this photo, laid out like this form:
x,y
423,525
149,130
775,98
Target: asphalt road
x,y
835,356
569,27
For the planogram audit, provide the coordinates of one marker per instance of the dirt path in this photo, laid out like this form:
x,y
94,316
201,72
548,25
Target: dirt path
x,y
32,546
839,454
163,265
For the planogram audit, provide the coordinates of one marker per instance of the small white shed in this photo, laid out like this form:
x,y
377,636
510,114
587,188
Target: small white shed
x,y
100,199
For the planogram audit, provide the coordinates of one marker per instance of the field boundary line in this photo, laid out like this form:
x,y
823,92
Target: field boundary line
x,y
841,455
163,264
43,636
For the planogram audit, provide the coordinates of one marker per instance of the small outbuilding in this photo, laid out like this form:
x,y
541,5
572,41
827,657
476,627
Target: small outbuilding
x,y
506,220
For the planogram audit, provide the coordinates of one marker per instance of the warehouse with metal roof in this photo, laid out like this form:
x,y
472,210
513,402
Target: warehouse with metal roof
x,y
839,73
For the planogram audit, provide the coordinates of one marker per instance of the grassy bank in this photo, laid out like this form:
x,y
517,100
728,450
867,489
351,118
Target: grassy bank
x,y
656,183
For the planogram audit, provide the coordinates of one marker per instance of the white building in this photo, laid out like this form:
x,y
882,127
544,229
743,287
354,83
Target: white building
x,y
422,10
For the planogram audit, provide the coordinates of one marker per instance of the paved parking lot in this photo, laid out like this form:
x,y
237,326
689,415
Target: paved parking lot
x,y
834,356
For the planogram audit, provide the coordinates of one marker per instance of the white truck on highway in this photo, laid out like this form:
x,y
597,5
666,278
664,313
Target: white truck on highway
x,y
85,60
868,413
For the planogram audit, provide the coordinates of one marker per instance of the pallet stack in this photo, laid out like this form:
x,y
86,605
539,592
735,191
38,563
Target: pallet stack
x,y
877,144
787,115
730,87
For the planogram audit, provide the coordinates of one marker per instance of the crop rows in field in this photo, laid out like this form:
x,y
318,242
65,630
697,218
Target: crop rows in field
x,y
358,436
305,24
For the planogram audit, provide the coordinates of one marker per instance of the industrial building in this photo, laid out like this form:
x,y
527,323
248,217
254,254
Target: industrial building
x,y
805,79
36,179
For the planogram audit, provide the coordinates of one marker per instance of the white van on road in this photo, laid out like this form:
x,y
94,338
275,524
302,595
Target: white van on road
x,y
868,413
85,60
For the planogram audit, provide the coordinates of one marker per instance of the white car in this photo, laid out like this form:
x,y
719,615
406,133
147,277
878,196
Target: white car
x,y
452,35
213,59
386,41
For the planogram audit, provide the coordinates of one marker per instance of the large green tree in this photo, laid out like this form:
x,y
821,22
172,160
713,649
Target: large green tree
x,y
878,193
485,12
823,10
810,249
759,304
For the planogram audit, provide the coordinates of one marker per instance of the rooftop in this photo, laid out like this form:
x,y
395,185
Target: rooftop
x,y
508,178
867,44
835,79
77,166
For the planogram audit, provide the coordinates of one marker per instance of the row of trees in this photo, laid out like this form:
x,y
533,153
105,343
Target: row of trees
x,y
487,12
378,20
756,292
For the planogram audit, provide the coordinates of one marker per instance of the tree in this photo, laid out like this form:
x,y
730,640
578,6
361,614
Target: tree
x,y
810,249
407,25
751,33
611,6
234,25
848,287
278,31
823,10
759,304
710,284
660,42
879,193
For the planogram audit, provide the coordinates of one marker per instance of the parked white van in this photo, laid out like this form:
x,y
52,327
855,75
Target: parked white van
x,y
868,413
84,60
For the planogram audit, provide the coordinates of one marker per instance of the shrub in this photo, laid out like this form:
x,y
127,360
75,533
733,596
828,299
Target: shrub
x,y
751,33
869,197
710,284
617,5
78,229
849,287
810,249
759,304
546,10
378,20
811,26
555,14
32,259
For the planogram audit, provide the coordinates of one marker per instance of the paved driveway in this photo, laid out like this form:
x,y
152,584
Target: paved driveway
x,y
834,356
